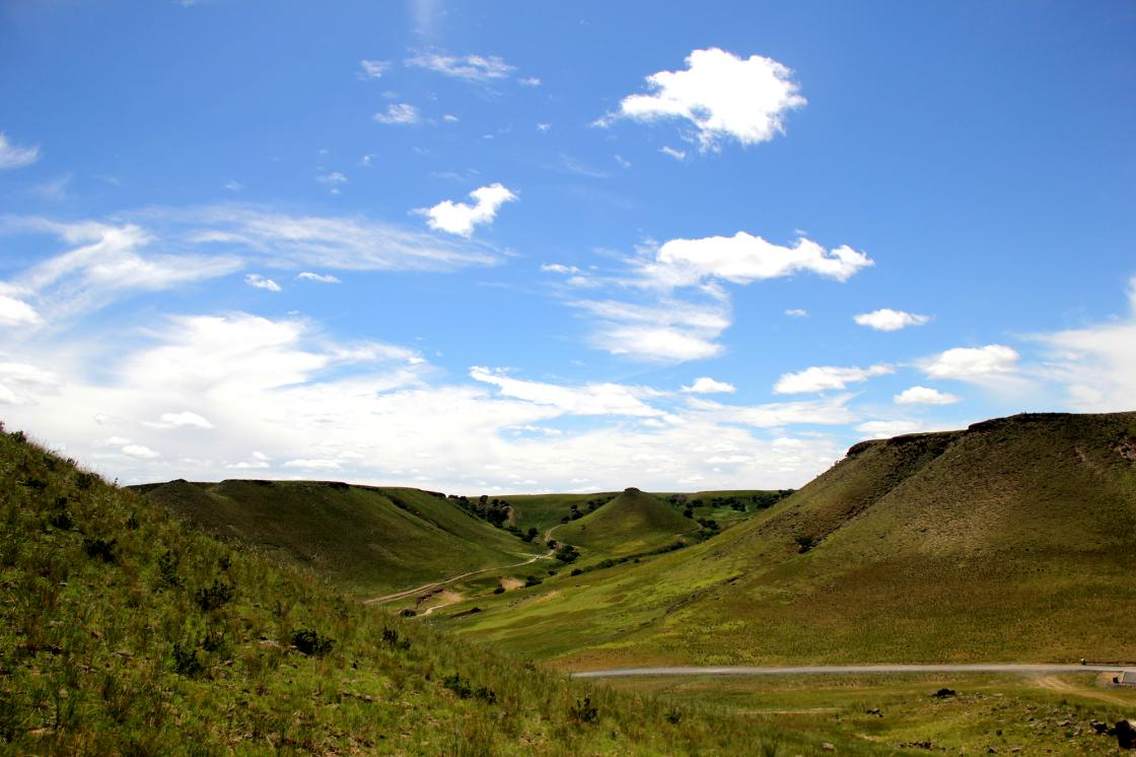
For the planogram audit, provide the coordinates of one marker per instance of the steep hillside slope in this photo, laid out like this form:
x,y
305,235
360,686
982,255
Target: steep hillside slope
x,y
368,540
631,523
1012,540
122,631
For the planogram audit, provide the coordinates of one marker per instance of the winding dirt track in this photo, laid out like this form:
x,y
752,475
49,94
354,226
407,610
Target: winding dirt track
x,y
445,581
806,670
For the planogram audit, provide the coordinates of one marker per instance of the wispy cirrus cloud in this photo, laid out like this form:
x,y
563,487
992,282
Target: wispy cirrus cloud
x,y
15,156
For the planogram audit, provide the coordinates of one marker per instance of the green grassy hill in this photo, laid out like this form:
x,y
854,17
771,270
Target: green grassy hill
x,y
368,540
633,522
125,631
1012,540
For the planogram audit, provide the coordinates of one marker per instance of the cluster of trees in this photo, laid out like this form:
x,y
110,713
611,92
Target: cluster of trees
x,y
574,512
740,503
497,511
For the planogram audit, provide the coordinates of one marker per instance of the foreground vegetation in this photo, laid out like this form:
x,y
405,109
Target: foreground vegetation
x,y
124,631
956,713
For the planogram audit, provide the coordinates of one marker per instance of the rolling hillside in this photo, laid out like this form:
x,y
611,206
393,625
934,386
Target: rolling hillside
x,y
123,631
368,540
1013,539
632,523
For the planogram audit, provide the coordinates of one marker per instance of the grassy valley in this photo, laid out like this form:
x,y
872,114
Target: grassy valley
x,y
1014,539
124,630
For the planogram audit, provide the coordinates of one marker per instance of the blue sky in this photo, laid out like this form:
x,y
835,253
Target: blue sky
x,y
527,247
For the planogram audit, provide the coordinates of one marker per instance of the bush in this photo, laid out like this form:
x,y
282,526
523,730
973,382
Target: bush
x,y
532,581
499,590
100,548
311,643
567,553
168,569
391,638
407,612
805,543
214,597
584,711
186,662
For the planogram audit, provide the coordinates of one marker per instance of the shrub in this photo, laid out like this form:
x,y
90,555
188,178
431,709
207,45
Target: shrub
x,y
62,520
407,612
805,543
567,553
168,569
311,643
185,660
392,639
214,597
674,717
460,687
584,711
100,548
499,590
532,581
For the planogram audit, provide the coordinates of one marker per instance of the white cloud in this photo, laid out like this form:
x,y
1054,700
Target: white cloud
x,y
672,152
889,428
319,278
588,399
260,282
450,118
372,69
559,268
367,160
744,258
722,96
622,161
184,419
972,363
473,68
315,464
924,395
530,81
343,243
140,451
707,385
14,156
824,377
234,186
831,411
886,319
1096,364
284,389
543,127
109,259
332,178
671,330
797,313
14,312
398,114
460,218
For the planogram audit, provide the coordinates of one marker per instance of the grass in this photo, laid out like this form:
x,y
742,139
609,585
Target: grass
x,y
368,540
1012,541
124,630
631,523
1051,714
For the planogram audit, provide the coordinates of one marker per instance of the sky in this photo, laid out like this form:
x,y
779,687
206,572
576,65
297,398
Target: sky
x,y
525,247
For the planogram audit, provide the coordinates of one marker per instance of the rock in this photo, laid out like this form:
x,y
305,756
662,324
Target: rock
x,y
945,693
1098,727
826,746
874,711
